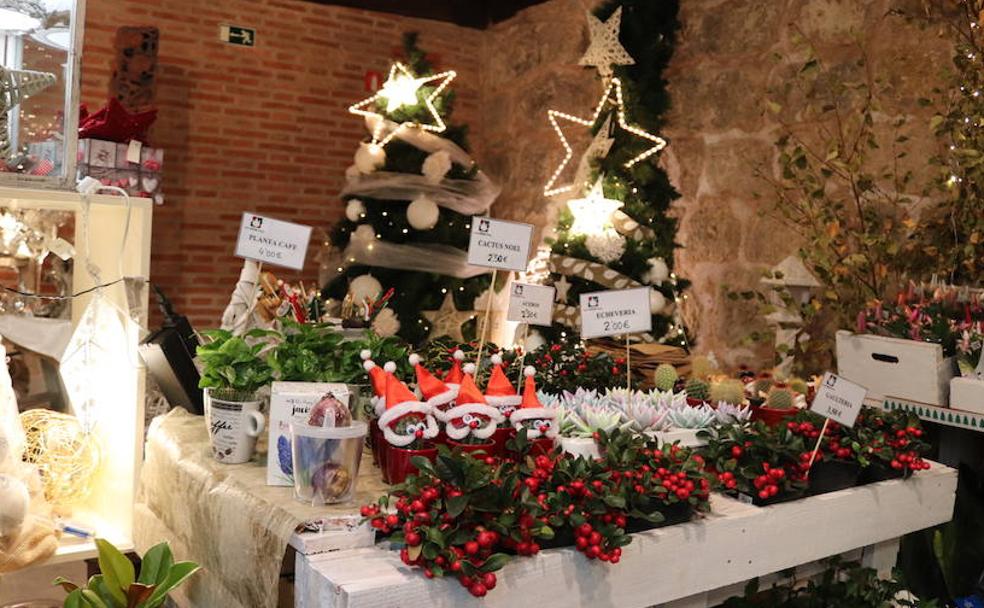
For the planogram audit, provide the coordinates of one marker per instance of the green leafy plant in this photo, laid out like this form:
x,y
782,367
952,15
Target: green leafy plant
x,y
119,586
234,367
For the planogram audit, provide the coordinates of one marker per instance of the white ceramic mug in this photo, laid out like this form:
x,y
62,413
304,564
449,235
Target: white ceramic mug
x,y
233,427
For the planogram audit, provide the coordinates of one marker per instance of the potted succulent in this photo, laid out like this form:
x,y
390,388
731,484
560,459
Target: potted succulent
x,y
118,585
780,403
758,463
581,415
698,391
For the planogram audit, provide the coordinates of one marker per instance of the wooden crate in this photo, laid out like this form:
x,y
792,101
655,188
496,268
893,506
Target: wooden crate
x,y
891,367
695,564
967,394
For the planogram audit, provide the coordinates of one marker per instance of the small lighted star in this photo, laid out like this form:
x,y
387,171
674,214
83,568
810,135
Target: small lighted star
x,y
605,50
599,148
562,286
447,320
615,86
401,88
593,213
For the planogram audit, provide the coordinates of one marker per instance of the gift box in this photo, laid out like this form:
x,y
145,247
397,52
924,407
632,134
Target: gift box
x,y
292,402
131,166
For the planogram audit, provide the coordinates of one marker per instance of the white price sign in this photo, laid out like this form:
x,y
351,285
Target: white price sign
x,y
531,304
839,399
500,244
618,311
271,241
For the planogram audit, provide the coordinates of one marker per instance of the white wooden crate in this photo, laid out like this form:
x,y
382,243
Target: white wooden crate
x,y
967,394
892,367
684,564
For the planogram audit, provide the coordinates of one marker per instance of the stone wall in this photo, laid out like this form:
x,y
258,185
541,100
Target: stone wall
x,y
728,56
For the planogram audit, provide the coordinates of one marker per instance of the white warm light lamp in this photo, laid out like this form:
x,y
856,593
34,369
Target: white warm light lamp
x,y
593,213
399,90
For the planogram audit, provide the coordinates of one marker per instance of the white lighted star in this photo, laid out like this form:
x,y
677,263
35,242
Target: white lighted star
x,y
593,213
401,88
605,50
606,98
599,148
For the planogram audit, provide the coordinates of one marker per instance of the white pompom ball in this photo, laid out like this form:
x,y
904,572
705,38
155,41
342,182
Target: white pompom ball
x,y
414,359
657,301
354,210
496,359
389,367
529,371
534,341
459,355
436,166
469,368
423,213
365,286
14,500
368,365
658,271
365,354
369,157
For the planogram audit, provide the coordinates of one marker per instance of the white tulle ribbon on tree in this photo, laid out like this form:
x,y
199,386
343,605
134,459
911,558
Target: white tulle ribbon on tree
x,y
364,248
468,197
422,140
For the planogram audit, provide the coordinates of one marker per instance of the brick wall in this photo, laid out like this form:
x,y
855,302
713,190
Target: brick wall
x,y
262,129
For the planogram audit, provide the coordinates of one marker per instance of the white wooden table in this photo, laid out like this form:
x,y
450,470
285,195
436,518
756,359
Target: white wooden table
x,y
692,565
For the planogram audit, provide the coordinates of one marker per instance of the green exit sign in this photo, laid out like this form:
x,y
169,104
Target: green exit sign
x,y
234,34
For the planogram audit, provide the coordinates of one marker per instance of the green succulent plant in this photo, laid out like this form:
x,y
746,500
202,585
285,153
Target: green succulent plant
x,y
665,377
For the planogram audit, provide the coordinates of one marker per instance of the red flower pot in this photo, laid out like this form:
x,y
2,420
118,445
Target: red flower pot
x,y
478,450
772,416
501,436
398,465
694,402
378,444
542,446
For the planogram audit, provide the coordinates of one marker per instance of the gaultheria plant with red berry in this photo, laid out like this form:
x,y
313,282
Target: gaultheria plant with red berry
x,y
766,464
893,440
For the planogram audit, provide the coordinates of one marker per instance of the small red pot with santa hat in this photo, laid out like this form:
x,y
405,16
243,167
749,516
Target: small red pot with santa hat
x,y
500,393
540,422
434,392
377,381
471,422
408,425
454,376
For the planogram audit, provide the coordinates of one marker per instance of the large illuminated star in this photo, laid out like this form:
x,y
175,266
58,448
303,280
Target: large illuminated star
x,y
615,85
447,320
605,50
401,88
599,148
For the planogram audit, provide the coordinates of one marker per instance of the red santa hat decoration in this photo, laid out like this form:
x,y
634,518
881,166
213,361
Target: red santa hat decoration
x,y
377,380
454,376
500,391
471,415
539,421
405,419
434,392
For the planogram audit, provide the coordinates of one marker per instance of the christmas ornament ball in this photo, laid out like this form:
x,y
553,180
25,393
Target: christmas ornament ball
x,y
369,157
422,213
658,271
365,286
657,301
14,500
354,210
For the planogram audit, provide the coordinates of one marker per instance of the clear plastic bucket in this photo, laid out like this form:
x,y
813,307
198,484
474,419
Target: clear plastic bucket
x,y
326,461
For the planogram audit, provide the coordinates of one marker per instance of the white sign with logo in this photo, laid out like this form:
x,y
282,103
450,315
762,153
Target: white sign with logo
x,y
271,241
619,311
839,399
500,244
531,304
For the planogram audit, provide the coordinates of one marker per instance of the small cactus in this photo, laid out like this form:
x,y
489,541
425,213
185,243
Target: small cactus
x,y
697,389
762,384
728,390
702,367
799,385
665,377
780,399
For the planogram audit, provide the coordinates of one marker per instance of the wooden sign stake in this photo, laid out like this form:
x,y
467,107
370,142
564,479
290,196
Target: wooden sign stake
x,y
816,448
485,325
628,365
522,358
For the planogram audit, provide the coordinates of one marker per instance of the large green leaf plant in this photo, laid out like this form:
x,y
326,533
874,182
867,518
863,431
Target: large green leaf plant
x,y
234,367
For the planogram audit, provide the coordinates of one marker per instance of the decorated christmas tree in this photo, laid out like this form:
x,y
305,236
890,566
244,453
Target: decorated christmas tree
x,y
410,196
614,231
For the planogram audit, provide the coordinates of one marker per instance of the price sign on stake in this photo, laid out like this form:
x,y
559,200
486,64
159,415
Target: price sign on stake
x,y
839,399
500,244
836,399
615,312
531,304
271,241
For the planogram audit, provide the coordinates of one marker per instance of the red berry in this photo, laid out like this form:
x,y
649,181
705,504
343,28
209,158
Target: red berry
x,y
581,543
594,538
466,581
489,580
471,547
585,529
428,573
478,590
455,566
392,520
413,539
417,506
